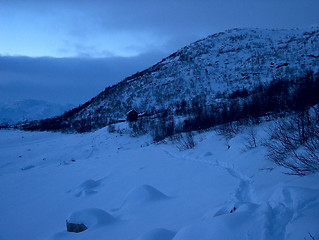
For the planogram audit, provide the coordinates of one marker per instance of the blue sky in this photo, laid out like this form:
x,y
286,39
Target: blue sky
x,y
120,37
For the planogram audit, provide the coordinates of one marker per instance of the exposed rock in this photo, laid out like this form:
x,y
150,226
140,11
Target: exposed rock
x,y
75,227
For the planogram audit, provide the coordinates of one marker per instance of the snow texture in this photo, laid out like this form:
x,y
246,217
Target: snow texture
x,y
128,188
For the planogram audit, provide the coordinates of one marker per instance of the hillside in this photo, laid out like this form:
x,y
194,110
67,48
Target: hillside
x,y
205,72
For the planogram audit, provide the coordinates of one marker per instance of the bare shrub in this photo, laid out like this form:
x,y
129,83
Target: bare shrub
x,y
250,140
138,127
111,128
184,141
162,128
229,130
294,142
310,236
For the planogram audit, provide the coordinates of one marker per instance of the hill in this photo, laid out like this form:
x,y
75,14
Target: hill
x,y
207,72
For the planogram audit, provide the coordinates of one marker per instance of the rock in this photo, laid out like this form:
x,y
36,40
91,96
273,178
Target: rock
x,y
75,227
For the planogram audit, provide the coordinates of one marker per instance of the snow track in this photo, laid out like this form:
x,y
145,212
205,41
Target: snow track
x,y
276,214
243,191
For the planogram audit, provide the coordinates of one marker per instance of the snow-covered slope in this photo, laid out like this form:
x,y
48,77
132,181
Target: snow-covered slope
x,y
126,188
205,71
28,110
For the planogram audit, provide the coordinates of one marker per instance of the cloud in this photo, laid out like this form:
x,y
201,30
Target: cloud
x,y
112,26
65,80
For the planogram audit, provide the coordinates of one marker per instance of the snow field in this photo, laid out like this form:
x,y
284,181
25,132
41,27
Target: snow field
x,y
127,188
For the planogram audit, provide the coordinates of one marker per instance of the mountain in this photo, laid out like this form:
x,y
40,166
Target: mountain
x,y
28,110
203,73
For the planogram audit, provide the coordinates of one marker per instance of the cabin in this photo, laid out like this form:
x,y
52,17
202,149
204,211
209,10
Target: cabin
x,y
131,116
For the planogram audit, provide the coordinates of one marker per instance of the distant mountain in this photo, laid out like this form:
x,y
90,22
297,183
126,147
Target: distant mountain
x,y
29,110
205,72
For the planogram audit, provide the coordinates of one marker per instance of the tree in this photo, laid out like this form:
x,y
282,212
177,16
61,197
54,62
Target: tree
x,y
251,138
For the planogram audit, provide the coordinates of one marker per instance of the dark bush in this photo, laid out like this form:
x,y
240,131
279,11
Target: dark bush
x,y
294,142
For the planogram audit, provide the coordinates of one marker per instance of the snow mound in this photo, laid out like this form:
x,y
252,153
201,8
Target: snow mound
x,y
296,198
254,224
88,187
91,217
143,194
208,154
157,234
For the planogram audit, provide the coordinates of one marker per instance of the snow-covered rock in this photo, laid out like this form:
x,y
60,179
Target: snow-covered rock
x,y
81,220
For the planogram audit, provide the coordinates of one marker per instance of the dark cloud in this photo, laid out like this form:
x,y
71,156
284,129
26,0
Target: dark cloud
x,y
167,19
65,80
187,18
169,14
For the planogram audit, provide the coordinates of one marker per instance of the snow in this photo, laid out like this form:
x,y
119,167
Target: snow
x,y
91,217
158,234
142,195
129,188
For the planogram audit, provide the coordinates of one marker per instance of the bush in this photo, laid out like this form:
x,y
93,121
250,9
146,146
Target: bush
x,y
251,138
229,130
184,141
111,128
294,142
162,128
139,127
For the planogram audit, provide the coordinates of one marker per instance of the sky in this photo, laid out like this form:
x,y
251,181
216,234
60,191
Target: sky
x,y
69,51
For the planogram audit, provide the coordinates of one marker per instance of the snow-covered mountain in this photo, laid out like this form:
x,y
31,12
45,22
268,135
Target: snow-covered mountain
x,y
206,71
28,110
